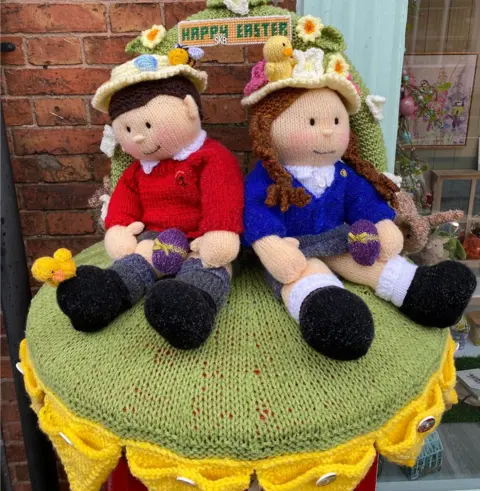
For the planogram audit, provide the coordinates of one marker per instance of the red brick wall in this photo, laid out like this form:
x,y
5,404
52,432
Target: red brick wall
x,y
65,50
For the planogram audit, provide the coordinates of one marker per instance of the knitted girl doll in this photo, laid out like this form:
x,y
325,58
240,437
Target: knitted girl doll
x,y
311,181
180,180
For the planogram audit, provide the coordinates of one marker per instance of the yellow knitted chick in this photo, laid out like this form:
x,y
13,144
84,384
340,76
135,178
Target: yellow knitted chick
x,y
278,53
54,270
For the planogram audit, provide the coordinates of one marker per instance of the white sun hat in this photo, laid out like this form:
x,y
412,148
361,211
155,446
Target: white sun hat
x,y
309,73
141,69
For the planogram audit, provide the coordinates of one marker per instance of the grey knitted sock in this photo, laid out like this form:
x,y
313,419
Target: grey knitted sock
x,y
274,284
136,273
214,281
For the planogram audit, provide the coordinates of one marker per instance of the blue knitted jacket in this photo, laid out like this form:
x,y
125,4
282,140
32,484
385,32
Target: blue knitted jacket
x,y
349,198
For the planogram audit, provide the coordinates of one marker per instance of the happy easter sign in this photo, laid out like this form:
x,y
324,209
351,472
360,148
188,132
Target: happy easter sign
x,y
242,30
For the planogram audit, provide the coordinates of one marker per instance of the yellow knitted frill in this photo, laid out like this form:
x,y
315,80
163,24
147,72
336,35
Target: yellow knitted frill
x,y
89,452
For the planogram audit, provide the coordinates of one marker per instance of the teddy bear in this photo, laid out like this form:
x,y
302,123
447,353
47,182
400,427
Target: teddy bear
x,y
181,181
311,180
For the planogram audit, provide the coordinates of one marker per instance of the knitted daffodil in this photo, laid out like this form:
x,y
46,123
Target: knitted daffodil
x,y
153,36
309,28
338,65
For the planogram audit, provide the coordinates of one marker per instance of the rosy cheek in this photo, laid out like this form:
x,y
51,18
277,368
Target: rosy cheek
x,y
163,135
344,138
129,147
300,138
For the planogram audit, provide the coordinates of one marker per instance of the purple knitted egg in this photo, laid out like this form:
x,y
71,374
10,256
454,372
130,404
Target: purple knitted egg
x,y
364,243
170,249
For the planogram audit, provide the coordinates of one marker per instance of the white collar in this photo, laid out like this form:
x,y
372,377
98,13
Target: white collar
x,y
315,179
149,165
192,148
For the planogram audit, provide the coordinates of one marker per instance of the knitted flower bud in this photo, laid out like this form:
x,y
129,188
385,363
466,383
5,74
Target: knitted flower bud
x,y
364,243
170,249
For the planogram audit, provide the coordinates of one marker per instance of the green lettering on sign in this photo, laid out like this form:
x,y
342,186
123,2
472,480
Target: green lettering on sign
x,y
265,29
283,29
256,30
239,31
203,32
274,29
195,33
185,34
213,31
248,30
224,30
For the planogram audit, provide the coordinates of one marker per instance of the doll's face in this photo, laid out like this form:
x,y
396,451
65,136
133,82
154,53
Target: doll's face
x,y
159,129
314,130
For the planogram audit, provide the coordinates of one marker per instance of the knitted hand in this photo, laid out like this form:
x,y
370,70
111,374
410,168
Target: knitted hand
x,y
391,240
217,248
121,241
281,257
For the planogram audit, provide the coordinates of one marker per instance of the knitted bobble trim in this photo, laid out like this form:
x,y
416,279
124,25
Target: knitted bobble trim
x,y
89,452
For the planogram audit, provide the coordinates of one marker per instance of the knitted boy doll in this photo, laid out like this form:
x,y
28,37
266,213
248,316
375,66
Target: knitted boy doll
x,y
180,180
302,187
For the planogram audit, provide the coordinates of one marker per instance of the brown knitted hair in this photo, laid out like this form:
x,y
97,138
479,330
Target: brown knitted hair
x,y
282,192
137,95
386,188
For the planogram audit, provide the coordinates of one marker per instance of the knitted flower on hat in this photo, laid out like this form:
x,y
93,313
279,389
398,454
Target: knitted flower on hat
x,y
309,28
309,64
259,79
153,36
338,65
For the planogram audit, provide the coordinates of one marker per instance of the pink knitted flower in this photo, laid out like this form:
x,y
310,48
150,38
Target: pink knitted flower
x,y
357,88
259,79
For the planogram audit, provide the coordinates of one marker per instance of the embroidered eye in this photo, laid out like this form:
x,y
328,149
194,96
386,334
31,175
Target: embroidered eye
x,y
312,122
128,129
337,121
148,125
284,45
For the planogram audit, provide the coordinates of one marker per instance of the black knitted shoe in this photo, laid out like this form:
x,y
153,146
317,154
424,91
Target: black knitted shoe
x,y
93,298
337,323
181,313
439,294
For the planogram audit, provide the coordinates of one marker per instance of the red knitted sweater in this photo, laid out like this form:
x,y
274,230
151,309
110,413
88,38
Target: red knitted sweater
x,y
197,195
